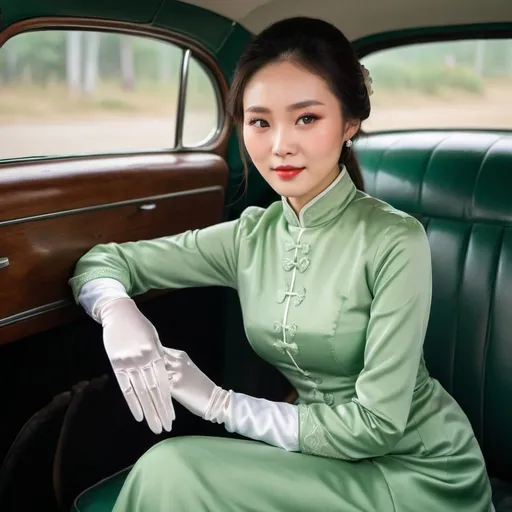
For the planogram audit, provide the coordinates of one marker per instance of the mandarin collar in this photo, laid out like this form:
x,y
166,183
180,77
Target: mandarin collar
x,y
324,207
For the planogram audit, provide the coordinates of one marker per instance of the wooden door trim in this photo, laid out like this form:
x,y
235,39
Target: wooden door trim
x,y
30,189
45,198
104,206
32,313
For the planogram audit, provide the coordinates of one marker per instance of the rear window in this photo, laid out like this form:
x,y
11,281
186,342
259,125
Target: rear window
x,y
455,84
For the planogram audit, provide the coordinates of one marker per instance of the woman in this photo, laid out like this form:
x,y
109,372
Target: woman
x,y
335,288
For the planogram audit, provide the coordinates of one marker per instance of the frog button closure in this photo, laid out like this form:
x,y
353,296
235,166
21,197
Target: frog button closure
x,y
299,262
328,398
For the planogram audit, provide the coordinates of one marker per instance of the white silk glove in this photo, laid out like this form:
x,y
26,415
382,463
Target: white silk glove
x,y
262,420
192,388
135,352
97,292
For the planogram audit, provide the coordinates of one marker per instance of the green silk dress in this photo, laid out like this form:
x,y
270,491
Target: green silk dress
x,y
338,299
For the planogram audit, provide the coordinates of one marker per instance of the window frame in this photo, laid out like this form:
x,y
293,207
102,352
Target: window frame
x,y
406,37
217,143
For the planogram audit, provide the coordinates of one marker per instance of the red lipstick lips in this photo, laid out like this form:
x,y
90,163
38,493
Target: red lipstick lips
x,y
287,172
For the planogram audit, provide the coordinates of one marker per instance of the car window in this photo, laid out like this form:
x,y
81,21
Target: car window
x,y
71,92
452,84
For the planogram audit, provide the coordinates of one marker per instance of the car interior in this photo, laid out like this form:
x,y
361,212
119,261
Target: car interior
x,y
113,128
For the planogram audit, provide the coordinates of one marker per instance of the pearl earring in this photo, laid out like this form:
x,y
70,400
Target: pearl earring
x,y
349,143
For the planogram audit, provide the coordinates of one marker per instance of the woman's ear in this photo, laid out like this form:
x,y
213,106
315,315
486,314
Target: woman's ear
x,y
350,129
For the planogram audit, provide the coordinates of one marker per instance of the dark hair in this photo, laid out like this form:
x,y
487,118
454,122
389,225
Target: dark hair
x,y
322,49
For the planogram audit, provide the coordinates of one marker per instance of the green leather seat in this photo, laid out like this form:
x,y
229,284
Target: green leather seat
x,y
460,186
102,496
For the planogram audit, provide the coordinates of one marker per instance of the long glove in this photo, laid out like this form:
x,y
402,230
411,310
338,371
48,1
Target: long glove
x,y
274,423
135,352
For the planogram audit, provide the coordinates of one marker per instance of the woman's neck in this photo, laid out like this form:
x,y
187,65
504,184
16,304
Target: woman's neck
x,y
297,203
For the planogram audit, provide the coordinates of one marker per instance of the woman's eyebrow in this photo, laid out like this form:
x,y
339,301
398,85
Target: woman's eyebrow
x,y
256,109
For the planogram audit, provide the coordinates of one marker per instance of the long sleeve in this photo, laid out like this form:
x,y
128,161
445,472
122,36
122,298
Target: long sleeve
x,y
204,257
373,422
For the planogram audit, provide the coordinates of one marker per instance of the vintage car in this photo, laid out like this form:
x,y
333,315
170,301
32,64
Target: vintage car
x,y
113,128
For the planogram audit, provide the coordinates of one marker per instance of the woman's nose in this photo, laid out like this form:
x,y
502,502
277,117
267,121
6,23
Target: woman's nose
x,y
284,143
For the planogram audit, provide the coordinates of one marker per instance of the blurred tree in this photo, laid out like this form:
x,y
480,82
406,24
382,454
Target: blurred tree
x,y
92,52
127,67
74,61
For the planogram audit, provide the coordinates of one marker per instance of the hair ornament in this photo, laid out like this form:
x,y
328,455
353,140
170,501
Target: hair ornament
x,y
367,80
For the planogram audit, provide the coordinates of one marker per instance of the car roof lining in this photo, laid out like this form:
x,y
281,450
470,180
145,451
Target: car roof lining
x,y
365,17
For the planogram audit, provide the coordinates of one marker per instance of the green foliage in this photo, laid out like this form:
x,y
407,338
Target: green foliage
x,y
94,67
39,56
428,79
462,78
34,57
432,68
117,105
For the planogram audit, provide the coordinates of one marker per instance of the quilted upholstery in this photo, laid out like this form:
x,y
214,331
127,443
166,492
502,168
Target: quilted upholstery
x,y
460,186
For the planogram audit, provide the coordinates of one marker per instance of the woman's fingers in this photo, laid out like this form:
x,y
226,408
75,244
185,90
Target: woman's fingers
x,y
129,394
159,390
145,400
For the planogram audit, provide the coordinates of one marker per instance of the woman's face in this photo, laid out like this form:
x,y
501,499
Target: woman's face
x,y
294,130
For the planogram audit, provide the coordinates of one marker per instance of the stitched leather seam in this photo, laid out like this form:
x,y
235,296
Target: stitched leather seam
x,y
429,161
482,162
457,305
487,337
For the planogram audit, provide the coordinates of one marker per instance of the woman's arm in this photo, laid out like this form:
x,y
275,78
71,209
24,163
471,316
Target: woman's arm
x,y
204,257
108,275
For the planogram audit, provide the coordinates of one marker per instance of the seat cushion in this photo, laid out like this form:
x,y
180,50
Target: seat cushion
x,y
102,496
502,495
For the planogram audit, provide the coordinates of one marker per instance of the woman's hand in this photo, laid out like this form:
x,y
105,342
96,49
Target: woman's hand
x,y
136,354
271,422
193,389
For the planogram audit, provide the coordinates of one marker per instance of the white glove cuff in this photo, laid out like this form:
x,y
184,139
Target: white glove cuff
x,y
216,410
98,292
274,423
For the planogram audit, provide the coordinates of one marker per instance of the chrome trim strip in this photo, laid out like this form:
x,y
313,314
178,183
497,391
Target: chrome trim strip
x,y
32,313
182,99
221,108
105,206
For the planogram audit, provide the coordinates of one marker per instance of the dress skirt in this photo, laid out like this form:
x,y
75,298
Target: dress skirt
x,y
213,474
210,474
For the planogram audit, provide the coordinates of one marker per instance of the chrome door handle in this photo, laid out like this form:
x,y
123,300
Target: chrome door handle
x,y
4,262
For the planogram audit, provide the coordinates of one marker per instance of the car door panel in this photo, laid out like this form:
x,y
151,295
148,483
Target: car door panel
x,y
53,212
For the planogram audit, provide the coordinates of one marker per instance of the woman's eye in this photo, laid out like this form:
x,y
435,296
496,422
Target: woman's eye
x,y
259,123
308,119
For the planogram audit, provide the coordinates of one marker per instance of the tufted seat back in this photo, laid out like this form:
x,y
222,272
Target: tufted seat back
x,y
459,184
